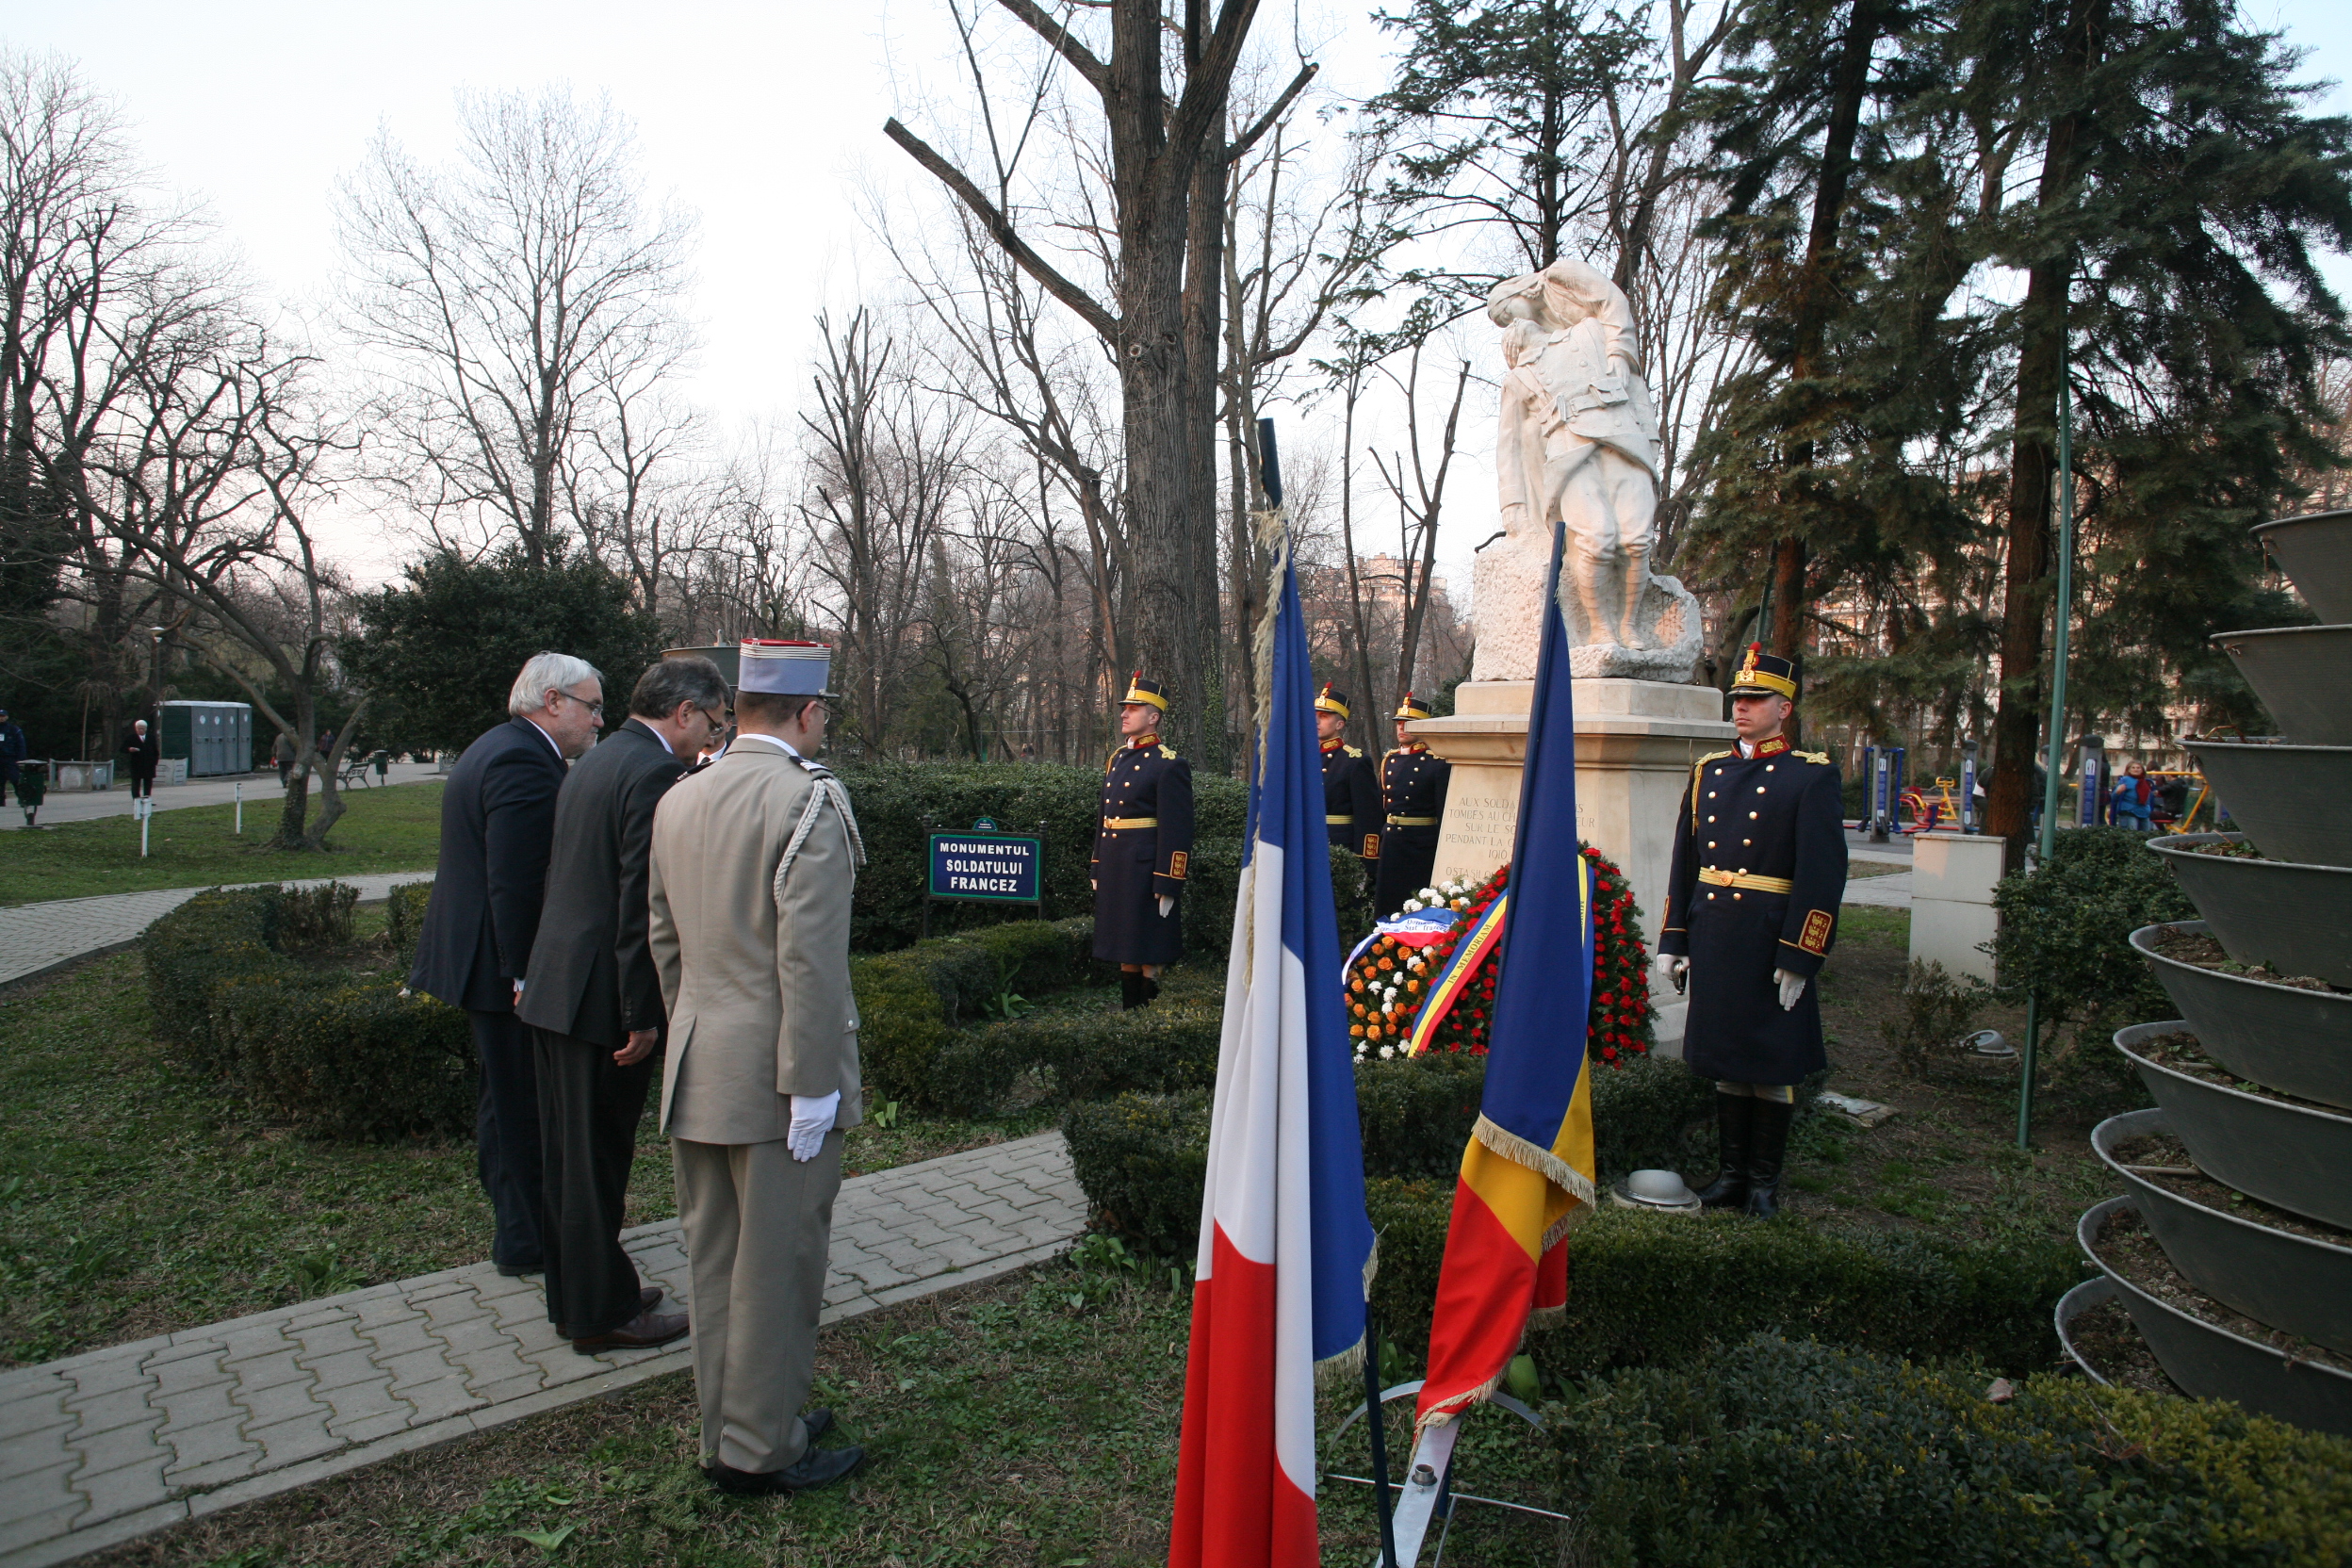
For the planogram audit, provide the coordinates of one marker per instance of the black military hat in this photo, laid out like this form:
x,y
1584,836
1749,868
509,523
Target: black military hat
x,y
1764,674
1412,708
1331,700
1140,690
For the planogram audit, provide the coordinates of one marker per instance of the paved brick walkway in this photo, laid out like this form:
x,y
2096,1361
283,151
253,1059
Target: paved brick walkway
x,y
100,1448
38,938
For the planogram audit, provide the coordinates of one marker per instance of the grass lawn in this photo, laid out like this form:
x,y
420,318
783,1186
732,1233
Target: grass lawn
x,y
1030,1420
135,1199
393,828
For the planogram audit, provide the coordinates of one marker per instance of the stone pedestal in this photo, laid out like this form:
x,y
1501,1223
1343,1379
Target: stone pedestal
x,y
1636,742
1952,877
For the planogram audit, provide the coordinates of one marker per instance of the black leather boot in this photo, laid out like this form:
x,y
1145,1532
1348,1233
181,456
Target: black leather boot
x,y
1130,991
1732,1119
1768,1148
1151,989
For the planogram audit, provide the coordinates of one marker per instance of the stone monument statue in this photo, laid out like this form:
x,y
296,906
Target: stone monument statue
x,y
1577,442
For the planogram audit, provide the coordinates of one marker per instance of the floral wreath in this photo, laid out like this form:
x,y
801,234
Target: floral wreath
x,y
1391,978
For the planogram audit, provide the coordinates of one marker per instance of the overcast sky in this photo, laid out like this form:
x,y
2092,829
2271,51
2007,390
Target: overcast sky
x,y
764,118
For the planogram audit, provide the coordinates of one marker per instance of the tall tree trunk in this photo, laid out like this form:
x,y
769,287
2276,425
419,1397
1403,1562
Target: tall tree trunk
x,y
2033,463
1816,302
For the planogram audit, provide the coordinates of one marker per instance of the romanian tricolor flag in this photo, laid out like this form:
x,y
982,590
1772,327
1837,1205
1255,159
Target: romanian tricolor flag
x,y
1530,1166
1455,978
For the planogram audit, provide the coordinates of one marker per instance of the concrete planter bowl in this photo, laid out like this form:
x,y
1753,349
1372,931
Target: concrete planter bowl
x,y
2316,551
2294,916
2295,1156
2273,1276
2301,674
2210,1363
2284,1037
2288,799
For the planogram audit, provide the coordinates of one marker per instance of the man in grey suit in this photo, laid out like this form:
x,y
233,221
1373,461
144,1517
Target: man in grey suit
x,y
754,859
595,1004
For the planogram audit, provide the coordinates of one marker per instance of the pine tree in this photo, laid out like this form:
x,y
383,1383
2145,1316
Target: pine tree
x,y
2167,253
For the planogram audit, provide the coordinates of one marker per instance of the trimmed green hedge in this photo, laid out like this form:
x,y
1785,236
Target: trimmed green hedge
x,y
894,798
911,1003
1166,1047
1142,1159
332,1055
1769,1453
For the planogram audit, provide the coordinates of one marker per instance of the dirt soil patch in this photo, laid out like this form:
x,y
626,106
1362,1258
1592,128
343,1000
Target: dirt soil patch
x,y
2162,1157
2127,1246
2185,1054
2203,951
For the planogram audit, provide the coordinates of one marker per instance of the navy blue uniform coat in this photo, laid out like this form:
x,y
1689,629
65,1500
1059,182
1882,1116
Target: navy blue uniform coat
x,y
1352,801
1135,867
498,816
1777,815
1413,784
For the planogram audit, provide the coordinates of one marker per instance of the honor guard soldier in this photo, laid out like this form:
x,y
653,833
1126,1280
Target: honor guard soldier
x,y
1351,798
1751,914
1140,848
1412,800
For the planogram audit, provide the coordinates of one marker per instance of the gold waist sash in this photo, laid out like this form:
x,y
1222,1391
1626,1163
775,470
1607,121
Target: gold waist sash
x,y
1115,824
1412,822
1746,879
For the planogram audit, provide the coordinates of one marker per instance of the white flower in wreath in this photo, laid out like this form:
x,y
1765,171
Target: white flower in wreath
x,y
1429,895
1387,1053
1410,906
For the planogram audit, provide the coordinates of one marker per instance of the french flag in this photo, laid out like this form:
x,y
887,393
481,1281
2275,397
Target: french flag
x,y
1285,1245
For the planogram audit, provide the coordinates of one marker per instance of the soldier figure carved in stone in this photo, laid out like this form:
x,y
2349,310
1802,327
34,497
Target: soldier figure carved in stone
x,y
1351,798
1142,846
1412,800
1750,915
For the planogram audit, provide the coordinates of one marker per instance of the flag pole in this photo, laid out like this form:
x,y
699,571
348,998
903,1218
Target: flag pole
x,y
1379,1437
2049,841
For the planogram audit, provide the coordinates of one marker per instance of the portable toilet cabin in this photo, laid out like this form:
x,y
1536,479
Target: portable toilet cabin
x,y
213,738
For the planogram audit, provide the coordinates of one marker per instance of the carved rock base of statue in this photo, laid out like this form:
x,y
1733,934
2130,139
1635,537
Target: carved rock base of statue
x,y
1511,624
1636,742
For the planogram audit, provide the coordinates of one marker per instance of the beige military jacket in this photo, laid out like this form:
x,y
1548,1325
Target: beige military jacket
x,y
754,860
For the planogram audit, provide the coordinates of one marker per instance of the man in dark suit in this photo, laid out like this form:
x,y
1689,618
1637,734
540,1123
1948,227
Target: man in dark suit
x,y
473,950
594,1004
142,750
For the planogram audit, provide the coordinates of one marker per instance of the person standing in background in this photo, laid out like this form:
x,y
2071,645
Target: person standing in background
x,y
1142,848
1351,797
473,948
12,751
755,860
2134,798
282,753
594,1005
1412,798
140,753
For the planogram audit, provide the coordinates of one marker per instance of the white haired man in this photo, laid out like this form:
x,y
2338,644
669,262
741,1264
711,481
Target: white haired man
x,y
497,820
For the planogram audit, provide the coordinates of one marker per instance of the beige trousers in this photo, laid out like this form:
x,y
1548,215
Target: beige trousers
x,y
757,1226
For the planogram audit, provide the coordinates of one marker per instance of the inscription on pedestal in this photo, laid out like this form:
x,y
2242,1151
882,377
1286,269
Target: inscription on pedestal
x,y
1482,816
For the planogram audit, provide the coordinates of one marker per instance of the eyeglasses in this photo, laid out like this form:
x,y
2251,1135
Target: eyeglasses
x,y
595,707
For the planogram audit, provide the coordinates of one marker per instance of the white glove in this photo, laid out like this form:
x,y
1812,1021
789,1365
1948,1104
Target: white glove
x,y
1675,966
813,1117
1168,903
1791,987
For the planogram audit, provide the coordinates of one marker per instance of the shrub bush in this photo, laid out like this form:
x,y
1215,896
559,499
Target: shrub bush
x,y
1768,1452
894,798
332,1056
2066,929
910,1002
1652,1289
350,1058
1142,1159
1416,1114
215,936
1167,1047
403,919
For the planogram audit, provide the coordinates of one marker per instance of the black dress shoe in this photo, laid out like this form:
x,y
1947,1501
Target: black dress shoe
x,y
516,1270
649,1298
642,1332
817,1467
819,1421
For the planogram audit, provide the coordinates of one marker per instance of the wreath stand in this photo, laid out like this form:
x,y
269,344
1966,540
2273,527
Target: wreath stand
x,y
1426,1493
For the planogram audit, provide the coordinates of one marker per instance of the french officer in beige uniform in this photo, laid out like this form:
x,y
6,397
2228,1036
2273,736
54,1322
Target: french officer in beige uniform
x,y
754,859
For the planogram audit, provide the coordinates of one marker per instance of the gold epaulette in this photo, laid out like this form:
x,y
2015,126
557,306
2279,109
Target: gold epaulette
x,y
1821,757
1168,752
1353,751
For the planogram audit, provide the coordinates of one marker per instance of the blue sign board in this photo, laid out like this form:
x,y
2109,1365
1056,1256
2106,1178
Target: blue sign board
x,y
985,865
